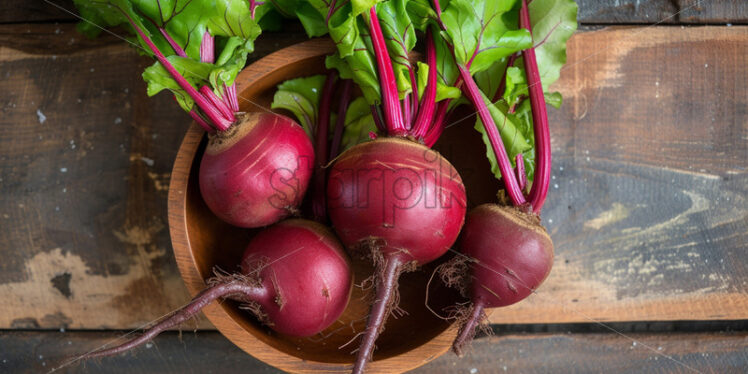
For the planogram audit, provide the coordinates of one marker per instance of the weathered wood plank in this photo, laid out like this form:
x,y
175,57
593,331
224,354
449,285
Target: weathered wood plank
x,y
209,352
648,206
85,158
662,11
705,11
654,223
21,11
590,11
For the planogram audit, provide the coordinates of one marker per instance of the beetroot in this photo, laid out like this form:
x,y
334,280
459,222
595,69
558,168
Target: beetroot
x,y
506,252
510,254
401,196
257,166
295,278
256,173
393,199
400,203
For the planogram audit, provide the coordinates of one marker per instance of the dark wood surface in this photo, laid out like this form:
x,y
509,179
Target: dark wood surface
x,y
209,352
647,204
652,139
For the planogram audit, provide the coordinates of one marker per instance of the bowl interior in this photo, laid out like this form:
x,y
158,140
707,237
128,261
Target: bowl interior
x,y
215,244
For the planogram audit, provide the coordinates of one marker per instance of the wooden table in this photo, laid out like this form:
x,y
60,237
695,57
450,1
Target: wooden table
x,y
648,206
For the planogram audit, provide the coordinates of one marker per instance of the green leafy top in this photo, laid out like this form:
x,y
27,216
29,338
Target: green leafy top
x,y
341,20
485,35
553,23
347,26
482,32
234,23
301,97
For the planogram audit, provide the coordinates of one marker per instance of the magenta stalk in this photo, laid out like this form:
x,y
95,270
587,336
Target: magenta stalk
x,y
177,49
319,201
379,312
390,102
230,97
474,95
200,121
236,290
210,111
337,137
217,103
542,179
436,130
520,171
467,332
426,114
207,49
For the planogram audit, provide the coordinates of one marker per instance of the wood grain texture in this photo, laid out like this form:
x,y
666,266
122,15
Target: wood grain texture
x,y
723,11
209,352
85,160
22,11
647,206
662,11
590,11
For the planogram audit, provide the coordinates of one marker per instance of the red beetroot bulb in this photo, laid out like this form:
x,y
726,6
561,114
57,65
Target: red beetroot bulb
x,y
295,278
399,195
510,254
306,275
256,173
400,203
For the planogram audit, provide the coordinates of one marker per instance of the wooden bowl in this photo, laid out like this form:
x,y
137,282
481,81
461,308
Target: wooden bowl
x,y
202,242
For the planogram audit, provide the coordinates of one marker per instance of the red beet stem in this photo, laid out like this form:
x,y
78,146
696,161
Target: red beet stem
x,y
406,105
414,95
467,332
377,116
426,114
390,102
330,11
319,203
200,121
542,179
234,289
438,9
337,137
438,127
218,103
203,103
179,51
253,4
207,50
230,97
507,173
520,171
381,308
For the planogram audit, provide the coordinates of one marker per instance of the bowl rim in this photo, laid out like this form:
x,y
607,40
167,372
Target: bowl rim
x,y
188,268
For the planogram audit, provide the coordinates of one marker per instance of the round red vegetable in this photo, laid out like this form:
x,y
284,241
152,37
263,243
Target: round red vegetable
x,y
399,202
256,172
510,255
295,278
305,275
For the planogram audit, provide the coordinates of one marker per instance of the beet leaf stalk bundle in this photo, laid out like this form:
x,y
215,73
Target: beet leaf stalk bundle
x,y
200,47
392,200
506,54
